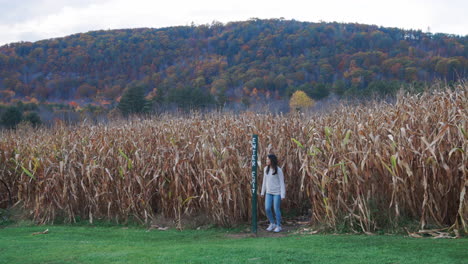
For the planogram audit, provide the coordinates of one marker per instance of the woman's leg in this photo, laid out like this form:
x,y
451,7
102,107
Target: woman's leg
x,y
277,205
268,204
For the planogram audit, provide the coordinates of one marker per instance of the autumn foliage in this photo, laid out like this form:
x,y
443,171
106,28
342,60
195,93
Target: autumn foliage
x,y
300,101
230,62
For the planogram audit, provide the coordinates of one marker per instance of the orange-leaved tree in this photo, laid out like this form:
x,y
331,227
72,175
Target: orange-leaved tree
x,y
300,101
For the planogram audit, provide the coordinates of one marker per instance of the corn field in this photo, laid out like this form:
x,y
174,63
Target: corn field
x,y
362,166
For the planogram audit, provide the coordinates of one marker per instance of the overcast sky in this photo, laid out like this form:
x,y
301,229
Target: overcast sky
x,y
31,20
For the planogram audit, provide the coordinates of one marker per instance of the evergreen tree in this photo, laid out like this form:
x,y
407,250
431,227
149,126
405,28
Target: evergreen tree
x,y
320,92
133,101
11,117
189,97
33,118
339,87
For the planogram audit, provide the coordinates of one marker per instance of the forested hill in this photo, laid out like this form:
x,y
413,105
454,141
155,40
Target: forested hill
x,y
238,61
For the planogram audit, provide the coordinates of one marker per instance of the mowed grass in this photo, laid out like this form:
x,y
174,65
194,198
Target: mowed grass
x,y
85,244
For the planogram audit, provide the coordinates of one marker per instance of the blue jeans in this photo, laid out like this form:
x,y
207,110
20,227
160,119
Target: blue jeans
x,y
275,200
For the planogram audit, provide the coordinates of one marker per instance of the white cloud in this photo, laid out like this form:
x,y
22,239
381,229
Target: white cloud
x,y
32,20
20,11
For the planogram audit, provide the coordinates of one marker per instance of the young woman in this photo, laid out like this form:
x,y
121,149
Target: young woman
x,y
273,186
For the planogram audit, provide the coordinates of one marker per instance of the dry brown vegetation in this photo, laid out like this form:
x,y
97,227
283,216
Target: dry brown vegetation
x,y
364,167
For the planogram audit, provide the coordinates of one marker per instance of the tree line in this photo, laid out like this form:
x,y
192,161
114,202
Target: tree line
x,y
12,115
238,62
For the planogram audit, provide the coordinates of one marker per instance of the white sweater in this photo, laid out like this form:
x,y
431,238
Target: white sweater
x,y
273,184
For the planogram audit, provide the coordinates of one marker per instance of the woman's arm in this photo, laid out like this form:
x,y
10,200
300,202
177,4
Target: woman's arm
x,y
263,183
283,187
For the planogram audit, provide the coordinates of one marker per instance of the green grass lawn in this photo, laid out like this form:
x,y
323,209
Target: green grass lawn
x,y
86,244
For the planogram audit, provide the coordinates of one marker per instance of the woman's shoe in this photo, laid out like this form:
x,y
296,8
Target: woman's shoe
x,y
277,229
271,227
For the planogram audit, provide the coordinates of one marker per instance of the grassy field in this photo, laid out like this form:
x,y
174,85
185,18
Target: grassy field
x,y
87,244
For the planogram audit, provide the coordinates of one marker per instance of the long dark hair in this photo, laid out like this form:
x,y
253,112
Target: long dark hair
x,y
274,163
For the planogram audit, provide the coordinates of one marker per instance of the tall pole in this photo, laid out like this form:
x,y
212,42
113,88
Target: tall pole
x,y
254,183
